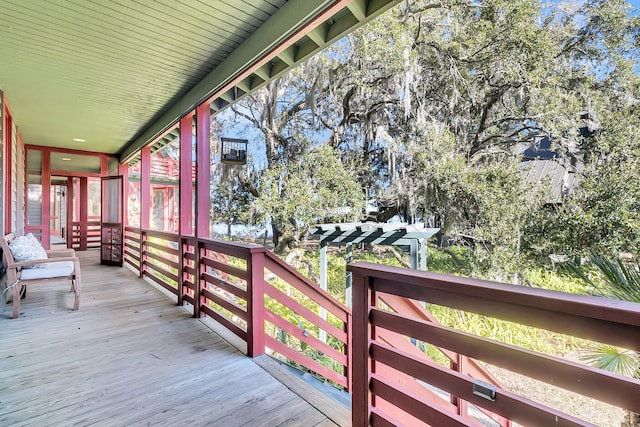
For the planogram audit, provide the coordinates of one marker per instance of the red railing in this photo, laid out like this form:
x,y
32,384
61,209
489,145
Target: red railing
x,y
381,397
85,235
252,293
165,167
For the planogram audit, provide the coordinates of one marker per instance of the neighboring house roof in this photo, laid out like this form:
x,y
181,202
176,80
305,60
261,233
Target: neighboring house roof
x,y
561,179
540,149
541,162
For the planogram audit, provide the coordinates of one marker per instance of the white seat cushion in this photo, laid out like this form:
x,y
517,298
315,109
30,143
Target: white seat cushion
x,y
54,269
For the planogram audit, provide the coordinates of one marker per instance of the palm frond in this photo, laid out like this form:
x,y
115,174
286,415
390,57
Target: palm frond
x,y
613,279
613,359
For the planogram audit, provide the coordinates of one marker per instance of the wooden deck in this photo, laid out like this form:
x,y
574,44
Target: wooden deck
x,y
129,356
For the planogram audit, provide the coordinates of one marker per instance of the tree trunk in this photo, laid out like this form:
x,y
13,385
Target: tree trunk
x,y
276,234
284,243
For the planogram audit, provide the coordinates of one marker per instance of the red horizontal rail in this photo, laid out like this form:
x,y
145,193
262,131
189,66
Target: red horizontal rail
x,y
305,361
196,256
298,333
224,285
160,260
431,414
164,249
415,310
234,308
508,404
162,283
310,289
303,311
224,321
234,271
600,385
598,319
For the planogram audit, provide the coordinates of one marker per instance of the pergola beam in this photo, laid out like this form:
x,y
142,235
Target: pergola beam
x,y
413,236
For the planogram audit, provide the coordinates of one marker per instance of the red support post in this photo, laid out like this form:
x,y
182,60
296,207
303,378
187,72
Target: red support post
x,y
255,305
361,365
348,327
124,171
7,137
203,170
69,225
104,165
143,258
84,211
182,261
186,214
145,187
46,199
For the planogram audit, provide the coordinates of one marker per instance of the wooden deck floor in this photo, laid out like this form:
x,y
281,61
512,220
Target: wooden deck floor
x,y
129,356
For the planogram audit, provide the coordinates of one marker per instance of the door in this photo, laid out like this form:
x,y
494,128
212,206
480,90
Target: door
x,y
111,221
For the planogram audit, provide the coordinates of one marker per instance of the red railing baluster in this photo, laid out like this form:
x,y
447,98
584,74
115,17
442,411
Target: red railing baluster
x,y
200,268
182,262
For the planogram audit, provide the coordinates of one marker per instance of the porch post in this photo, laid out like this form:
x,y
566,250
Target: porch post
x,y
361,360
46,199
145,186
145,200
6,144
255,304
186,179
203,170
84,207
123,169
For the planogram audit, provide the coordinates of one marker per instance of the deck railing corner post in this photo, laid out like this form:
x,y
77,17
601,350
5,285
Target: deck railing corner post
x,y
349,351
255,304
360,364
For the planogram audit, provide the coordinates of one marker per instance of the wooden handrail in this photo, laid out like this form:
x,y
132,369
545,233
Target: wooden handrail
x,y
598,319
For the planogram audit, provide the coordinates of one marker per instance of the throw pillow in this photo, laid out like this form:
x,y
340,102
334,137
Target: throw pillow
x,y
28,248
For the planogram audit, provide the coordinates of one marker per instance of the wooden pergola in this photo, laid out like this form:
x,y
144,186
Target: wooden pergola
x,y
411,236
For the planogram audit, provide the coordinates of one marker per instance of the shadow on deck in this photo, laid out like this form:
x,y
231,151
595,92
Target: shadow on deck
x,y
129,356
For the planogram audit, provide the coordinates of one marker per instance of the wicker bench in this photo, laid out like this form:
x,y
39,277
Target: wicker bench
x,y
61,264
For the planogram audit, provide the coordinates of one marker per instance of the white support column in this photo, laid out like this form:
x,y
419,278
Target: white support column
x,y
348,278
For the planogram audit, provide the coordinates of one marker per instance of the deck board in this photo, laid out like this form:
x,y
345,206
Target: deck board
x,y
129,356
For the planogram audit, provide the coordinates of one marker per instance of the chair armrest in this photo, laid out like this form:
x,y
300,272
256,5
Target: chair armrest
x,y
60,252
41,261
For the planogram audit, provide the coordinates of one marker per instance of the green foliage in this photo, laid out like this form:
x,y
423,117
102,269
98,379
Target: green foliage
x,y
231,203
311,189
612,279
614,359
429,108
